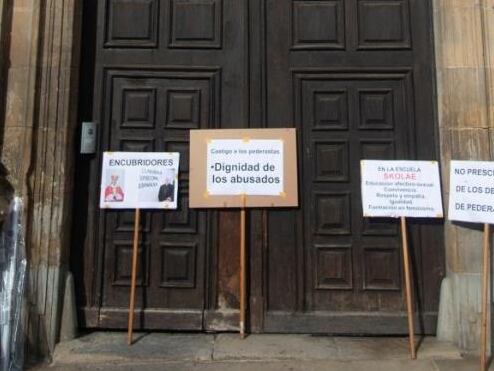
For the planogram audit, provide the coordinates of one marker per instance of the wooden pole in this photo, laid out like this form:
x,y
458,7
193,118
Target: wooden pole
x,y
485,296
408,287
242,270
134,274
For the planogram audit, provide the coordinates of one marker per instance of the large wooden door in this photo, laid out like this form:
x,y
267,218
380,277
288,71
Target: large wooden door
x,y
161,67
356,78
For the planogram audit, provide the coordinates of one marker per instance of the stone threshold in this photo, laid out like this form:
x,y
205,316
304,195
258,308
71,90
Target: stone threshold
x,y
111,347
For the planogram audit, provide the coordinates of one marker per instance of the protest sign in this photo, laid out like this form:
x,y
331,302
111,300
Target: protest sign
x,y
471,199
401,188
260,164
139,180
243,168
471,191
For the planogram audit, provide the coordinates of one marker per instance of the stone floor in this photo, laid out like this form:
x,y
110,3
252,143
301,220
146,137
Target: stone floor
x,y
222,352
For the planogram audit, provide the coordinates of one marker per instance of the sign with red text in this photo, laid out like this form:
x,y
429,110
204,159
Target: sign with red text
x,y
471,191
401,188
139,180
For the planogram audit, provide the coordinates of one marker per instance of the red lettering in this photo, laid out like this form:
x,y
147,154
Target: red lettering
x,y
400,176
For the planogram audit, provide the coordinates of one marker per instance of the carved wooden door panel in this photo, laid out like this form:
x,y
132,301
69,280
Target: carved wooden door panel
x,y
355,77
162,67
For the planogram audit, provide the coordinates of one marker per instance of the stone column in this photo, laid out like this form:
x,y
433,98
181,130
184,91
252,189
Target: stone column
x,y
6,191
40,124
464,43
5,11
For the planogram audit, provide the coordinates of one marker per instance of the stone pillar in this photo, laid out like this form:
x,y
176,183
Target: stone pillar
x,y
6,191
464,42
5,11
40,124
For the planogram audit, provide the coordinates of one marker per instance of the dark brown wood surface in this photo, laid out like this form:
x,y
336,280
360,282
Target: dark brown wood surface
x,y
355,77
161,68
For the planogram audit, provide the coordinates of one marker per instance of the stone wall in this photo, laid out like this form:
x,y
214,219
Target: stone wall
x,y
39,128
5,11
464,42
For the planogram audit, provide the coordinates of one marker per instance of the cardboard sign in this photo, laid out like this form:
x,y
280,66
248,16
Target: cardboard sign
x,y
401,188
139,180
260,164
471,191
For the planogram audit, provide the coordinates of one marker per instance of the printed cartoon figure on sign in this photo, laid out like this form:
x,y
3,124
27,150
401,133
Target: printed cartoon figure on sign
x,y
114,191
138,180
167,189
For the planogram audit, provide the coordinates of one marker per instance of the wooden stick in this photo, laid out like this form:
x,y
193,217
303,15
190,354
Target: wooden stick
x,y
242,269
485,296
134,274
408,287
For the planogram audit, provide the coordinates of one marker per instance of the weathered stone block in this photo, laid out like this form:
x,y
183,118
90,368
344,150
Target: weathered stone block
x,y
447,326
469,302
445,150
22,43
452,248
14,156
17,105
462,97
469,248
459,31
68,327
470,144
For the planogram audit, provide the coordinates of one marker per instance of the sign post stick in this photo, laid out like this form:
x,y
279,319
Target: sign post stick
x,y
408,287
380,200
242,269
134,274
485,295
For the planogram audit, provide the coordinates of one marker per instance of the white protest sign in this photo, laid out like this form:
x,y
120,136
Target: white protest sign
x,y
401,188
243,168
250,167
139,180
471,191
